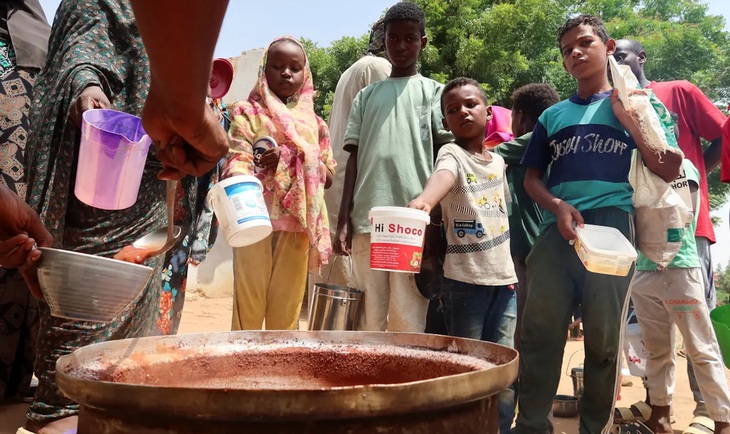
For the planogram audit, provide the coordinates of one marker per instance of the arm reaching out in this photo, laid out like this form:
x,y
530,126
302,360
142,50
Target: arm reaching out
x,y
180,35
437,186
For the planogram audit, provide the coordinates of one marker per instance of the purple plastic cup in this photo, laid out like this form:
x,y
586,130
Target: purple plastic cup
x,y
112,157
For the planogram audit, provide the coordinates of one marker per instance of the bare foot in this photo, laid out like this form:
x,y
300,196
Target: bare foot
x,y
58,426
659,422
722,427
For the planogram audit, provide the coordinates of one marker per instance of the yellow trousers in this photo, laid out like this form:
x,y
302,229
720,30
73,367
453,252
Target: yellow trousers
x,y
269,282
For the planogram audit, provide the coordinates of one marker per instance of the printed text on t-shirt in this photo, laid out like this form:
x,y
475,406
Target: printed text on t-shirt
x,y
590,143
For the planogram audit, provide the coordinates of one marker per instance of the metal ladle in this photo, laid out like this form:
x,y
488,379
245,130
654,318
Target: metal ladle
x,y
163,239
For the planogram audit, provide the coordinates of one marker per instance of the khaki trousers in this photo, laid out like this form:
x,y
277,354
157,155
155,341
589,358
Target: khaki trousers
x,y
269,282
391,300
676,296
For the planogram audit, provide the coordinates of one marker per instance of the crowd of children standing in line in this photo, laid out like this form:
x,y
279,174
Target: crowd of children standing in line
x,y
415,142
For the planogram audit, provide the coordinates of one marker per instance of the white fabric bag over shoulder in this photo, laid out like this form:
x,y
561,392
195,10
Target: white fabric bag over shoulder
x,y
660,212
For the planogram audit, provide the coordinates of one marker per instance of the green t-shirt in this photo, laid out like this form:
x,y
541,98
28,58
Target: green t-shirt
x,y
396,126
525,214
687,256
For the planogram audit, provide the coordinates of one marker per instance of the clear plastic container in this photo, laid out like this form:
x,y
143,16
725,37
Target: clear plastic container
x,y
604,250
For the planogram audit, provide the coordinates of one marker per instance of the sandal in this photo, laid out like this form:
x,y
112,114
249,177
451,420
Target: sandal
x,y
638,412
700,425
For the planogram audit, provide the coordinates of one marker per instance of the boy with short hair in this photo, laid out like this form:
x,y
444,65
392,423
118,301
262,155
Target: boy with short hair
x,y
394,126
528,103
586,142
469,183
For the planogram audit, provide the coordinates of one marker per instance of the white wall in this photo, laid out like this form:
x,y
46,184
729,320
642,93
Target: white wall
x,y
246,67
214,277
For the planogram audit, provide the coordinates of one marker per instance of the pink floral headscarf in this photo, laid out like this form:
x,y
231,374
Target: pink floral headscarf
x,y
298,182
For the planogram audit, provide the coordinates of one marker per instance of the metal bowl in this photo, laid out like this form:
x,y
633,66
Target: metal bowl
x,y
565,406
88,288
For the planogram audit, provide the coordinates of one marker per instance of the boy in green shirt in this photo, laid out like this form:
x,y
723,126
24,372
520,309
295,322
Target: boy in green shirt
x,y
393,133
676,296
528,103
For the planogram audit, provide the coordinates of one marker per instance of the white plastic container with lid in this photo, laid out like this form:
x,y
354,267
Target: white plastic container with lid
x,y
604,250
238,202
396,238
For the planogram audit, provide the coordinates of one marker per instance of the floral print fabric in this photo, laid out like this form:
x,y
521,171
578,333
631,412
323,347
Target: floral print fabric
x,y
298,182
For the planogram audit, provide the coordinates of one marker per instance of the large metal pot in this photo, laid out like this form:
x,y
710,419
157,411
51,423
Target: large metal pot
x,y
162,385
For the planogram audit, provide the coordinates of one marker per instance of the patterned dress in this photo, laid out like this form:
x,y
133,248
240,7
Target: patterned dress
x,y
18,308
96,43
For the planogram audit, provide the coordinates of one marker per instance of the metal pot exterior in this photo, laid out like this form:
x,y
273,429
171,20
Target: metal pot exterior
x,y
469,393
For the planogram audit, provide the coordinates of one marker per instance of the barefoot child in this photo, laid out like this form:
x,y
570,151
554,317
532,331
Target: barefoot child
x,y
270,276
470,184
672,296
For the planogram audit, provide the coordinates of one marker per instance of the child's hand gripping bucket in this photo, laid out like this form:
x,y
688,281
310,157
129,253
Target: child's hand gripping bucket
x,y
396,238
112,157
239,204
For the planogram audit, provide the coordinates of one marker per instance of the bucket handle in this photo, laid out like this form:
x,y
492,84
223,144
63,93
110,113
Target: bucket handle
x,y
570,360
329,275
350,276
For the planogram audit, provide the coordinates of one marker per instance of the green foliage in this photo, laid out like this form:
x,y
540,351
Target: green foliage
x,y
505,44
329,63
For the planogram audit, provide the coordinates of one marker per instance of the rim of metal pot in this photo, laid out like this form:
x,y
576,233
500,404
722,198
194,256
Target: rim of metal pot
x,y
262,404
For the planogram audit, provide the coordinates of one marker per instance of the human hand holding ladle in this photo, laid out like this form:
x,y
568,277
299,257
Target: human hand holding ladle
x,y
156,242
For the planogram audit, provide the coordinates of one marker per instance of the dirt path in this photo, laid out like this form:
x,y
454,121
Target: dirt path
x,y
209,315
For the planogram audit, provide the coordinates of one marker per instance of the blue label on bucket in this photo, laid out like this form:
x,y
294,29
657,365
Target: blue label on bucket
x,y
240,188
248,219
248,202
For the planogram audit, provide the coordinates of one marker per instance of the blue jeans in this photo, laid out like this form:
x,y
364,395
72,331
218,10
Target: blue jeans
x,y
488,313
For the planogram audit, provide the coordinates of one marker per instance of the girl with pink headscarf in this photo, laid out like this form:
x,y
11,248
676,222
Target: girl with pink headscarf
x,y
270,276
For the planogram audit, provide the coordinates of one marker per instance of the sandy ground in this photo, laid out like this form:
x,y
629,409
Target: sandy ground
x,y
209,315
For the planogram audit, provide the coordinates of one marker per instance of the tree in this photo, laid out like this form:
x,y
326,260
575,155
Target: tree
x,y
327,64
505,44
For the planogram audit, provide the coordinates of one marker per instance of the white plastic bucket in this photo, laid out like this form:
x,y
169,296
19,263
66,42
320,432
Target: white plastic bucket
x,y
239,204
396,238
604,250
